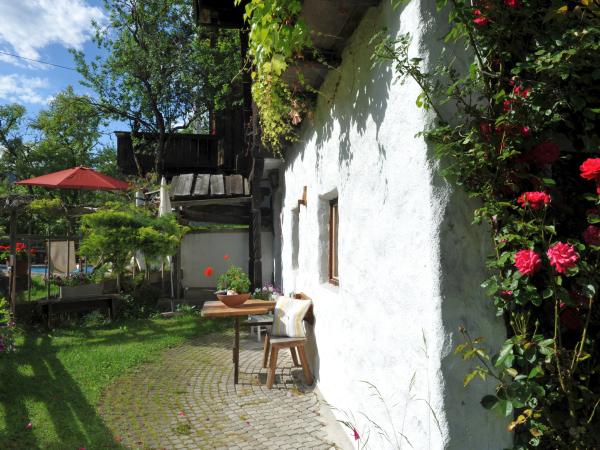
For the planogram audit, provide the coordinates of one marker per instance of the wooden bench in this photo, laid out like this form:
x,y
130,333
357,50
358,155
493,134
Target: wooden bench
x,y
91,303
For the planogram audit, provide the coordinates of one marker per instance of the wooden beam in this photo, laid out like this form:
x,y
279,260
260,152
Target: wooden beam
x,y
211,201
218,214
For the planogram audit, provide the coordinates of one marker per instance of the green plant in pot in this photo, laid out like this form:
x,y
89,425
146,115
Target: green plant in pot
x,y
233,287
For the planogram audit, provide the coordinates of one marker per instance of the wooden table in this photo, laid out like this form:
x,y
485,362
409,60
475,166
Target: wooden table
x,y
217,309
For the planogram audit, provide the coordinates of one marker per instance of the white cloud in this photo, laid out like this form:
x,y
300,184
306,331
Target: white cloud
x,y
30,25
22,89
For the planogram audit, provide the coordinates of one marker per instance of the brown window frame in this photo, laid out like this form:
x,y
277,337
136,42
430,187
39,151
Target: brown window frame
x,y
333,261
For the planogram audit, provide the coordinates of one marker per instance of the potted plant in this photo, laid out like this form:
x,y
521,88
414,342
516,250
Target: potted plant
x,y
77,286
21,251
267,292
233,287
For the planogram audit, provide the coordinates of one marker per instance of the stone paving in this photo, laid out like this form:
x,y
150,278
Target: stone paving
x,y
187,400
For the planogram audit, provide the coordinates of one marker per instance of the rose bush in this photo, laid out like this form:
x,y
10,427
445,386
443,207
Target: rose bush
x,y
524,135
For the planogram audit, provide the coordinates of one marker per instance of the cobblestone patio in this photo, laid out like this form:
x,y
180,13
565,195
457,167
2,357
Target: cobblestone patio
x,y
187,400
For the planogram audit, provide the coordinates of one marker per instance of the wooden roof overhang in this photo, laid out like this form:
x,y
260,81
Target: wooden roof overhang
x,y
212,198
331,23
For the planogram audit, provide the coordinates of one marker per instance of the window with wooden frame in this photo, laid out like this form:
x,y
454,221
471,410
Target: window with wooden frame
x,y
333,242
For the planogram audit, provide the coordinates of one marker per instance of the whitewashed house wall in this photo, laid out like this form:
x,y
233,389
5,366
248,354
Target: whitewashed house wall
x,y
410,262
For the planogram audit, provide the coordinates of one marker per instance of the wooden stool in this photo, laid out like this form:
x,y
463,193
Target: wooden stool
x,y
274,344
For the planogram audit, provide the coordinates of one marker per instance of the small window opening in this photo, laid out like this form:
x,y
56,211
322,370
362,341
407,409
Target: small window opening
x,y
333,242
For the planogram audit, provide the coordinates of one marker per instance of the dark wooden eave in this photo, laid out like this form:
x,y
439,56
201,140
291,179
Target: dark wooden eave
x,y
331,23
219,13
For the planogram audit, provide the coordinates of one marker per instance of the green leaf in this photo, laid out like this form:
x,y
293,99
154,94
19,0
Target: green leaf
x,y
504,407
537,370
547,293
469,377
505,357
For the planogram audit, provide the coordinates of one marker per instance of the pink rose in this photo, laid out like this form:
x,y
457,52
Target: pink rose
x,y
591,235
545,153
562,256
535,200
480,19
527,262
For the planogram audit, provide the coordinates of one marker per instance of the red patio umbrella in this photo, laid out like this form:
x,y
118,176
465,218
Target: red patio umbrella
x,y
77,178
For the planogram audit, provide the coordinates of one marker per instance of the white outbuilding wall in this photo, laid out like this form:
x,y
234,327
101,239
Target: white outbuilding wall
x,y
410,262
202,249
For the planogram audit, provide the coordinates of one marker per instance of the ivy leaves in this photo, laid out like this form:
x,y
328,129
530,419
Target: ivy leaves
x,y
278,36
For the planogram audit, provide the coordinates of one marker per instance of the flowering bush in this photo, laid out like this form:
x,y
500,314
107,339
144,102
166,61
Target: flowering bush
x,y
523,137
21,251
76,279
267,292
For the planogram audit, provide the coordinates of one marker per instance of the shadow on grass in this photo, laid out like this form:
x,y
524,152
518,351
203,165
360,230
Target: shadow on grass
x,y
53,381
35,375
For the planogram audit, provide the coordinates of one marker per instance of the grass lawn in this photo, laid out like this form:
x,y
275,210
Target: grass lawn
x,y
38,290
55,380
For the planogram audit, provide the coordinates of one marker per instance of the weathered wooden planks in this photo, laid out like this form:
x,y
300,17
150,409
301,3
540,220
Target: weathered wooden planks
x,y
209,185
202,184
182,185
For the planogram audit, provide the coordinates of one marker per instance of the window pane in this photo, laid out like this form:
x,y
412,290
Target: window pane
x,y
333,241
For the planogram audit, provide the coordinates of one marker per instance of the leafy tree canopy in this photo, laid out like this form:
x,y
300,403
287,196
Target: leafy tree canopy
x,y
161,72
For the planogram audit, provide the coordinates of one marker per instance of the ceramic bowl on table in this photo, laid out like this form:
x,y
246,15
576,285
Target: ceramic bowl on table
x,y
233,300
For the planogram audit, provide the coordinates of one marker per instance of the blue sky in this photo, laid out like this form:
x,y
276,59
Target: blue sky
x,y
44,30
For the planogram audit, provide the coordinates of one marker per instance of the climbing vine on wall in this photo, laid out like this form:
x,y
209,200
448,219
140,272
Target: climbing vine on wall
x,y
278,38
520,133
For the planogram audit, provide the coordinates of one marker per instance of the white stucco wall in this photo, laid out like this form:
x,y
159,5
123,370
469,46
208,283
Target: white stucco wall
x,y
410,263
203,249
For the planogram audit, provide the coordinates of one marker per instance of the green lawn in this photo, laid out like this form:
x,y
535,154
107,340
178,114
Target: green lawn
x,y
55,380
38,290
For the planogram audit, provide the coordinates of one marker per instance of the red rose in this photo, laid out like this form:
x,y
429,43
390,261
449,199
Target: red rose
x,y
525,131
480,19
562,256
512,3
506,105
506,293
521,91
208,272
590,169
545,153
226,257
485,128
591,235
535,200
527,262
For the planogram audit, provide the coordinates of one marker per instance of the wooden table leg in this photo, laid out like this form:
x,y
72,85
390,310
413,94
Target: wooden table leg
x,y
236,351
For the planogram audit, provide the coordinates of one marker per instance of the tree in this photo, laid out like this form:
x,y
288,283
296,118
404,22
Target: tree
x,y
113,233
161,71
70,133
66,134
14,152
